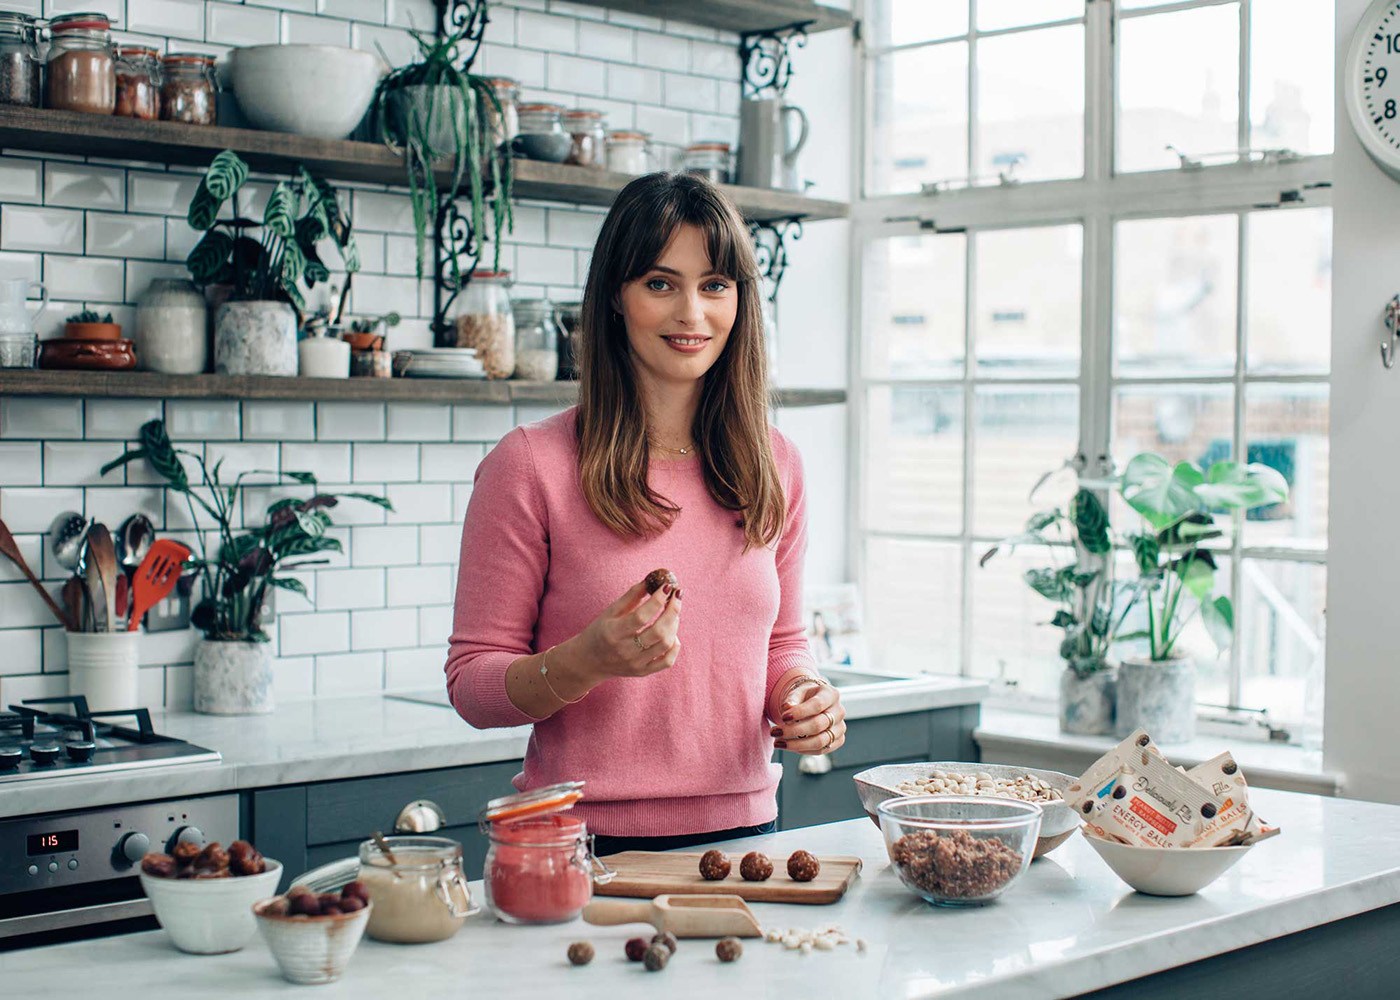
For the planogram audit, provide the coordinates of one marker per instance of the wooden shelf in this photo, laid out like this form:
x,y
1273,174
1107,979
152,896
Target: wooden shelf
x,y
150,385
737,15
75,134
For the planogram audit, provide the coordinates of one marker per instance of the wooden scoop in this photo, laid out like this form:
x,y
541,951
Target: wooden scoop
x,y
685,916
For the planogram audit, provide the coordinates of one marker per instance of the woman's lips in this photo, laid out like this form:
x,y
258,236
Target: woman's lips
x,y
687,345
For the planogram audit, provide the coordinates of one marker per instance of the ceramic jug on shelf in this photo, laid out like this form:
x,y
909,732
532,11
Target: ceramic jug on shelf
x,y
767,149
15,316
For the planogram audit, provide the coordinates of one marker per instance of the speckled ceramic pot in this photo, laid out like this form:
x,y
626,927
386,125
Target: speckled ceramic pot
x,y
1158,696
255,338
1088,703
233,678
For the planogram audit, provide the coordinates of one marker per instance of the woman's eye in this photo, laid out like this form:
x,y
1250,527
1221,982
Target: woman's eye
x,y
657,285
717,286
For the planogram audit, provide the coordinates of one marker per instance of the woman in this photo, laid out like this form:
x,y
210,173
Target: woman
x,y
669,709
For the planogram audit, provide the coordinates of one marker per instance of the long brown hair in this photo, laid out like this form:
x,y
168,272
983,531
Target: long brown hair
x,y
731,422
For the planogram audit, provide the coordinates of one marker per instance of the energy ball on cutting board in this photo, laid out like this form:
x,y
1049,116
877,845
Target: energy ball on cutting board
x,y
756,867
803,866
715,866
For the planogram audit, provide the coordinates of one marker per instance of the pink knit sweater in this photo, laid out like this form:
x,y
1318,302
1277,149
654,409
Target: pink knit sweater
x,y
686,750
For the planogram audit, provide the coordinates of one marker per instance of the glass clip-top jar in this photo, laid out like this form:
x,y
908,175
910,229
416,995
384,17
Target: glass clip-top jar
x,y
138,82
484,321
81,71
629,152
588,134
187,91
418,888
19,59
542,135
537,336
540,867
708,159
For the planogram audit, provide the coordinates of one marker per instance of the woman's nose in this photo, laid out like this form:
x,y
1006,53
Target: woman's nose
x,y
690,309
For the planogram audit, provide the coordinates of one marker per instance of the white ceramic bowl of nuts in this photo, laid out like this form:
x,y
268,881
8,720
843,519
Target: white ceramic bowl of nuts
x,y
1027,784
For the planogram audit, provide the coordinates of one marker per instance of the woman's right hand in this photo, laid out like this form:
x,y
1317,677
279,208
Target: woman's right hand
x,y
635,636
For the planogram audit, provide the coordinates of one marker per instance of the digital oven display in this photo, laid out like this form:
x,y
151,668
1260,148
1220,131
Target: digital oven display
x,y
61,841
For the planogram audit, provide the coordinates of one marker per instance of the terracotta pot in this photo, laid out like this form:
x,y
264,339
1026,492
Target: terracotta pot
x,y
363,341
88,355
93,331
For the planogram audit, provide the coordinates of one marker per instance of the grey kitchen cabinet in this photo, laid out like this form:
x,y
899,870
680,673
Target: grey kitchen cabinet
x,y
937,734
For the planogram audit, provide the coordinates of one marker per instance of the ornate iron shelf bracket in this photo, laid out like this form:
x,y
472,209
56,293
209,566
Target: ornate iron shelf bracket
x,y
766,59
770,246
457,15
454,239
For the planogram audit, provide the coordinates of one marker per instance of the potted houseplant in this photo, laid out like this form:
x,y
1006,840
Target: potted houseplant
x,y
1176,570
1080,582
264,265
363,331
233,662
89,325
442,119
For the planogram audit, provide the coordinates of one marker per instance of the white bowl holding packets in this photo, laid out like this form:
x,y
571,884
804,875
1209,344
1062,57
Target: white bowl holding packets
x,y
1164,831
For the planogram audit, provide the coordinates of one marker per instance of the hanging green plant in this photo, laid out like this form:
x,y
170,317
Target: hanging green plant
x,y
434,113
300,213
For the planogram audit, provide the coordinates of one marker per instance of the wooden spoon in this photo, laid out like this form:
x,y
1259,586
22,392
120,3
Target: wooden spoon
x,y
104,554
10,548
383,846
699,915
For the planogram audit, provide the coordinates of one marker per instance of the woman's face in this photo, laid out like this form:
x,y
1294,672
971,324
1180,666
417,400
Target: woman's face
x,y
678,314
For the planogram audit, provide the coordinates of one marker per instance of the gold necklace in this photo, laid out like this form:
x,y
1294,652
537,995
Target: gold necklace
x,y
678,451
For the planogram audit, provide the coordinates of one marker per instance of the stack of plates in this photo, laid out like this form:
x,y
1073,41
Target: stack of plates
x,y
440,362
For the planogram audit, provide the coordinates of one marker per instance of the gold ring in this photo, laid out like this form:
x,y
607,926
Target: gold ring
x,y
638,640
830,719
831,738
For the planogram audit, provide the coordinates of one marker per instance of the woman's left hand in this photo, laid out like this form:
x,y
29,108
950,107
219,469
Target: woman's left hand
x,y
815,724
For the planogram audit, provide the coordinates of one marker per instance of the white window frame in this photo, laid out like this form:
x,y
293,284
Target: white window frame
x,y
1097,201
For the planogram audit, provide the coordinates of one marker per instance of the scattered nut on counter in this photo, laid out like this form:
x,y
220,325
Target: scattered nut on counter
x,y
1026,787
826,938
715,866
803,866
728,949
580,953
756,867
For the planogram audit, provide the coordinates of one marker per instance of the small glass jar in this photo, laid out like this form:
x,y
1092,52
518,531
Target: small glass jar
x,y
138,82
504,124
588,134
708,159
187,90
419,896
483,320
536,340
19,60
82,69
542,135
569,313
629,152
540,867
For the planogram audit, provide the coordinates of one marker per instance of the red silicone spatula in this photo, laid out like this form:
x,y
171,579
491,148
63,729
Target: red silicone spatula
x,y
155,577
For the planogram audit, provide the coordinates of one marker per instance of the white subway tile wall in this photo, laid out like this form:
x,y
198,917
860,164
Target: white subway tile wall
x,y
97,233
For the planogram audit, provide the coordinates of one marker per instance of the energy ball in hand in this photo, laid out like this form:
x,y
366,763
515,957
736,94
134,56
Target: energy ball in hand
x,y
803,866
715,866
756,867
658,578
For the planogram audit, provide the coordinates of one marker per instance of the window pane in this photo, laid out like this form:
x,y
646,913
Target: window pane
x,y
1030,104
1178,83
915,306
913,469
1286,428
1028,301
1290,78
1022,432
1174,295
914,604
1180,423
904,22
993,14
1010,640
1289,305
1278,626
920,114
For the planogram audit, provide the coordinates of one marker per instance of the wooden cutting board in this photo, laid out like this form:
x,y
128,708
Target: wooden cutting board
x,y
645,874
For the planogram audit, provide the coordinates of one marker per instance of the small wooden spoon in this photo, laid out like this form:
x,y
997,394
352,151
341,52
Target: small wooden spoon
x,y
104,554
10,548
383,846
698,915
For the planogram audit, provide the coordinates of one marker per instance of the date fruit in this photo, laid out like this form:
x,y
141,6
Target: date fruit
x,y
158,865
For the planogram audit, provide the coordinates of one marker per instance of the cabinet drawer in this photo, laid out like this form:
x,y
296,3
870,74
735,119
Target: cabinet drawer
x,y
339,811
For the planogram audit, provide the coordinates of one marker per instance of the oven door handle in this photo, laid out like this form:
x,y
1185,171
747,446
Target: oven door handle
x,y
78,916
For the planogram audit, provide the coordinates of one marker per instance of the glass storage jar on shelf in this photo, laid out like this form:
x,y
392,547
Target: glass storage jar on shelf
x,y
708,159
187,91
536,340
483,320
19,59
542,135
588,135
629,152
138,82
81,71
504,124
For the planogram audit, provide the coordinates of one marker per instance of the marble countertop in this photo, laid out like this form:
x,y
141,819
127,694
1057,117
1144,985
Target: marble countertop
x,y
1067,927
329,738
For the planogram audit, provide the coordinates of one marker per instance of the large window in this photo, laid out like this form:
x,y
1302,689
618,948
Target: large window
x,y
1089,230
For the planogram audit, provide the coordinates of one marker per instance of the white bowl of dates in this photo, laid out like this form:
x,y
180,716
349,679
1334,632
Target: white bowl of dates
x,y
202,895
311,935
958,850
1027,784
1166,871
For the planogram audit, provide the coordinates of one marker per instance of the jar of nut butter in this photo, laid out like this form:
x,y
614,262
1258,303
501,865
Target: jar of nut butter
x,y
82,70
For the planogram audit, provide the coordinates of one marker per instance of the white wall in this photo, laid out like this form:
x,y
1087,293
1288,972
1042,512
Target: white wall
x,y
1363,683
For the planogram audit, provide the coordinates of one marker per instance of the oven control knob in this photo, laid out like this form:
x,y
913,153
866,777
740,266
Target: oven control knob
x,y
45,753
80,751
134,846
10,757
189,835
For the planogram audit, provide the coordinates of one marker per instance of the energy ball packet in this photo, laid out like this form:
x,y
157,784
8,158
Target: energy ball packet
x,y
1237,824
